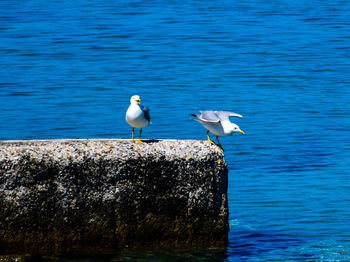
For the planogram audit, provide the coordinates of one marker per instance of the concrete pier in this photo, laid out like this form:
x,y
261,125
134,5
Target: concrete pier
x,y
105,195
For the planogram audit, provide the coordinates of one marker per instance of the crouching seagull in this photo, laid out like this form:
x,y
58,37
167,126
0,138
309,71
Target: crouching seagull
x,y
218,122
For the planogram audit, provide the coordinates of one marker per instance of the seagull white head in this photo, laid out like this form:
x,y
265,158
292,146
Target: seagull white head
x,y
135,99
235,128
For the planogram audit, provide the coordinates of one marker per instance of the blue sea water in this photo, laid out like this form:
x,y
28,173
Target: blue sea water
x,y
69,68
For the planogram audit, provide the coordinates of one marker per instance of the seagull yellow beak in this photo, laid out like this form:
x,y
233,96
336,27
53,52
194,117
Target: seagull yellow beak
x,y
241,132
138,101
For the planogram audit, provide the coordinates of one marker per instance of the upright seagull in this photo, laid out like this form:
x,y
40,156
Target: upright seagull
x,y
137,116
218,122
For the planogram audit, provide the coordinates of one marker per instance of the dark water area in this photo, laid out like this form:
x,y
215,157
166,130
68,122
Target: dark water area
x,y
69,68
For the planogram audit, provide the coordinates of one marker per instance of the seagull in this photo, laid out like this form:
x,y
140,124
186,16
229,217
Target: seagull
x,y
137,116
218,122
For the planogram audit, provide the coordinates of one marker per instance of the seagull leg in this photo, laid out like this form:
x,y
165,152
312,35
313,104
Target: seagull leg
x,y
211,142
219,144
139,140
132,135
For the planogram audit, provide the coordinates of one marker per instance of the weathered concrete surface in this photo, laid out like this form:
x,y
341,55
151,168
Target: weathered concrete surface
x,y
91,196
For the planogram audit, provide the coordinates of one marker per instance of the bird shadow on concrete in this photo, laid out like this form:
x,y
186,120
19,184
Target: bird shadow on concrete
x,y
150,141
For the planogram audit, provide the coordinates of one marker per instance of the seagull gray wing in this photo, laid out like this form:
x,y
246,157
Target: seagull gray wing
x,y
209,116
224,115
145,110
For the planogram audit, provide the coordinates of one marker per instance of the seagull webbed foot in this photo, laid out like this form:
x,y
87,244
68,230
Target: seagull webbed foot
x,y
110,145
219,146
211,142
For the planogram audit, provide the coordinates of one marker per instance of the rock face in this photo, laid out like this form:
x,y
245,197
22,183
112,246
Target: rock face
x,y
99,196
